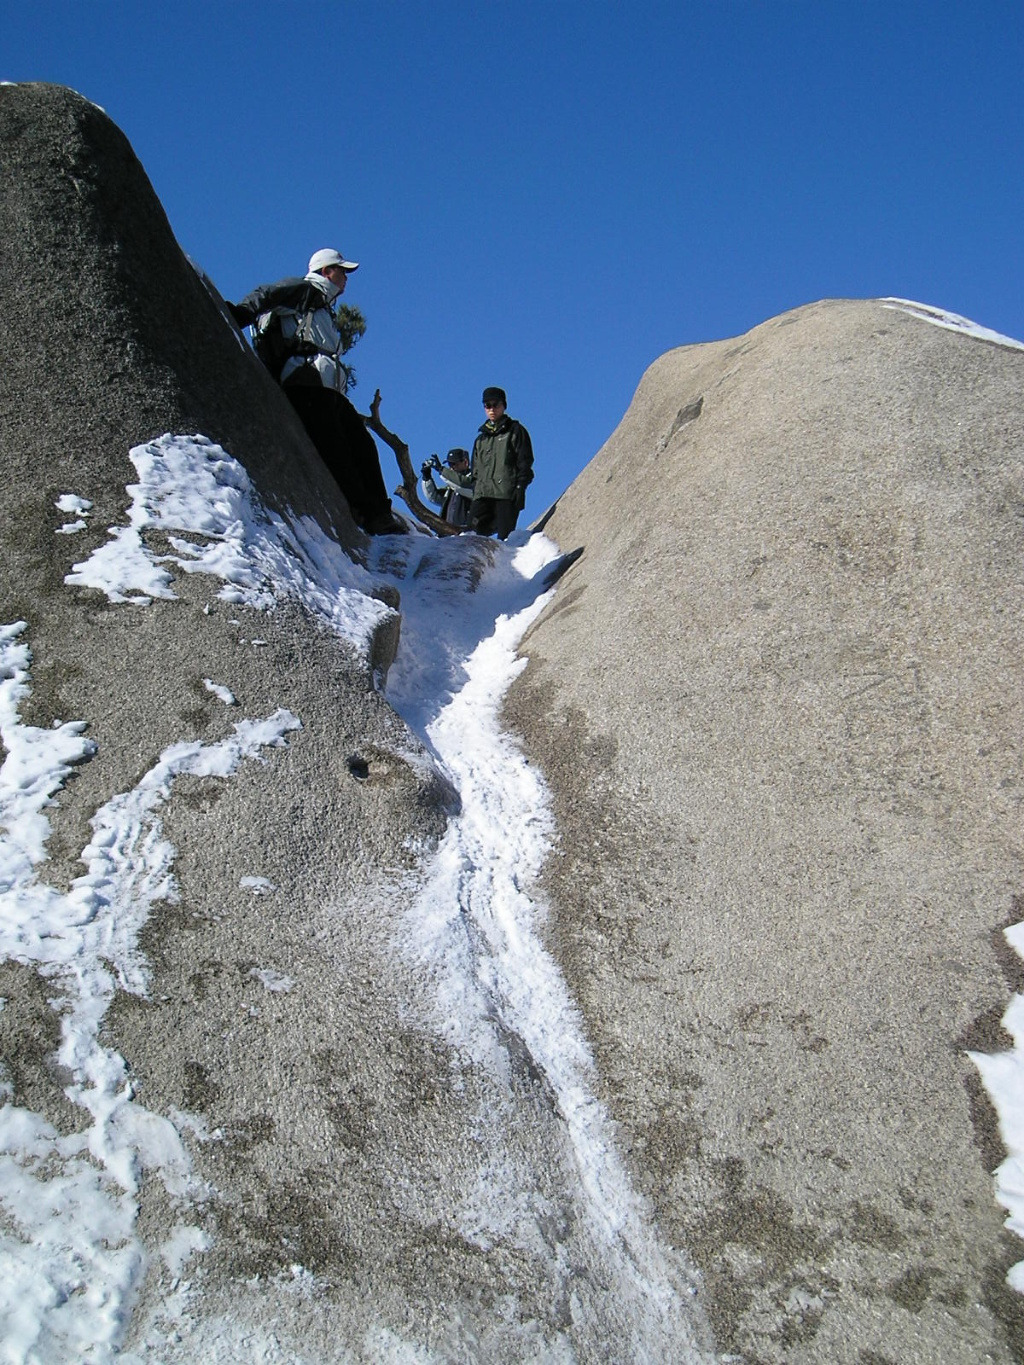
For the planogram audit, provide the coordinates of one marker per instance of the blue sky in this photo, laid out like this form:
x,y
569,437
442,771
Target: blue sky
x,y
548,195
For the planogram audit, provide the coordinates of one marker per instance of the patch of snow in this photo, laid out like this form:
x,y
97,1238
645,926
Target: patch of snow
x,y
474,929
385,1348
259,886
271,979
181,1246
189,485
952,321
224,694
68,502
37,764
196,1125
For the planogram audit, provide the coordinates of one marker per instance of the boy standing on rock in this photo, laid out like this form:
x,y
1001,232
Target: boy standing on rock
x,y
502,467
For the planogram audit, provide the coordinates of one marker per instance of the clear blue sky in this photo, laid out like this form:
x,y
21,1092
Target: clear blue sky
x,y
548,195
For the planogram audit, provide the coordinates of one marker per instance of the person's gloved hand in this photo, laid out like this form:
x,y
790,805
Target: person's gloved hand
x,y
519,496
426,469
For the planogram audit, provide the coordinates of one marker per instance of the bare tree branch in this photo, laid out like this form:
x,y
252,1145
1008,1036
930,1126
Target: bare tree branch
x,y
407,490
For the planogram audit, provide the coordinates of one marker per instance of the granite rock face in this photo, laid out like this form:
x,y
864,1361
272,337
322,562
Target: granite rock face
x,y
779,702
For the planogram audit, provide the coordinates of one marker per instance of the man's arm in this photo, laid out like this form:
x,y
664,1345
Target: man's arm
x,y
522,448
458,483
429,489
290,293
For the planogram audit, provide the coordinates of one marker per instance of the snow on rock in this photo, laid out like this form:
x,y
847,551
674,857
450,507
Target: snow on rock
x,y
70,1259
221,692
952,321
68,502
271,979
188,485
476,925
259,886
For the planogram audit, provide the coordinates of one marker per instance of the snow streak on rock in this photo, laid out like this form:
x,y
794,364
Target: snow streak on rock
x,y
953,322
476,927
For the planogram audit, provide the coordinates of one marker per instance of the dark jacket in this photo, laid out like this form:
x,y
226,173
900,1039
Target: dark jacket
x,y
294,330
295,292
502,460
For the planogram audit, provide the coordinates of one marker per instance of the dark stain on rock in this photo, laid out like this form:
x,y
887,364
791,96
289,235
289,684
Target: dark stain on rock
x,y
1005,1303
801,1328
199,1090
1010,961
912,1289
683,418
201,794
565,602
913,1202
245,1134
29,1039
985,1033
295,1227
809,1040
984,1122
759,1220
872,1227
670,1141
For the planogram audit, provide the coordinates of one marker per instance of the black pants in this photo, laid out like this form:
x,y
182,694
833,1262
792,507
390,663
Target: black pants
x,y
493,516
345,446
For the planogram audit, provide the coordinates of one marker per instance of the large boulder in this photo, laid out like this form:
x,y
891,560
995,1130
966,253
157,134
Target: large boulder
x,y
779,703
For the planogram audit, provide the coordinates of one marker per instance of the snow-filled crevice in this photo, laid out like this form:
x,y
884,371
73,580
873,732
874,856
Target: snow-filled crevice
x,y
476,928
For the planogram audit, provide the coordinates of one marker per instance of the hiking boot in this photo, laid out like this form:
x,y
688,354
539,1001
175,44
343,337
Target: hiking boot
x,y
385,524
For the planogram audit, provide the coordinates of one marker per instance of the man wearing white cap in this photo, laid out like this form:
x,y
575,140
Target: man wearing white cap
x,y
297,338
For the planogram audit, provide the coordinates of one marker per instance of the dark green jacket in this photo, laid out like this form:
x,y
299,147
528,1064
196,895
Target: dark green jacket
x,y
502,459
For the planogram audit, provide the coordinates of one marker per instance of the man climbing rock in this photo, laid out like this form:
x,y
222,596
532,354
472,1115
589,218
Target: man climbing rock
x,y
502,468
297,338
449,488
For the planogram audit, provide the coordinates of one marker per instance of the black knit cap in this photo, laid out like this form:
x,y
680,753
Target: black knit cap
x,y
493,395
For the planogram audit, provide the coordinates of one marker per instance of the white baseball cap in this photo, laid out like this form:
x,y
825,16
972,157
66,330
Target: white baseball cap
x,y
329,256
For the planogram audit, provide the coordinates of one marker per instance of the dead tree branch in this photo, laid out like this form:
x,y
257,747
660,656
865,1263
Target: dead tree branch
x,y
407,490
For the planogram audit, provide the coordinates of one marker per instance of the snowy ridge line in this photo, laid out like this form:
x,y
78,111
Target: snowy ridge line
x,y
953,322
474,927
189,484
70,1260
